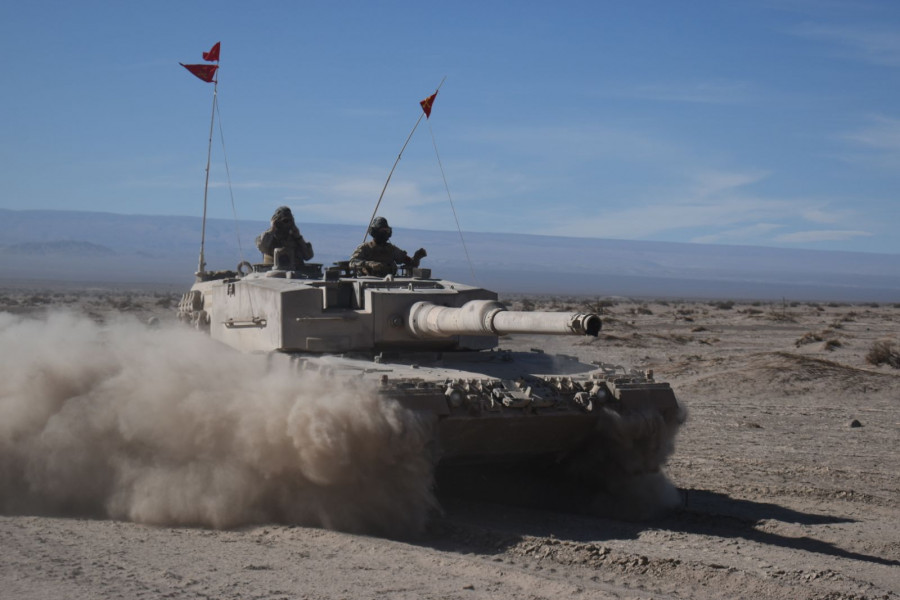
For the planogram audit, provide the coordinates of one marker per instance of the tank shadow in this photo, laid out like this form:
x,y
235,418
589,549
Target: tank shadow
x,y
491,517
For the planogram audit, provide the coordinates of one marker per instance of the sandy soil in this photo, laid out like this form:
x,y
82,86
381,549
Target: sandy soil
x,y
788,469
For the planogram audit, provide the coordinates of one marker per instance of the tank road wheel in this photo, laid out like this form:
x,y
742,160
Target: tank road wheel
x,y
242,266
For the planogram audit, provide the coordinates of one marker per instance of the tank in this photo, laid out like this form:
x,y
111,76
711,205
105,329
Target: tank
x,y
435,345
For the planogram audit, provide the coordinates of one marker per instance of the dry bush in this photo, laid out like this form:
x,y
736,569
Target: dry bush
x,y
684,314
884,352
781,317
723,304
599,306
832,345
809,338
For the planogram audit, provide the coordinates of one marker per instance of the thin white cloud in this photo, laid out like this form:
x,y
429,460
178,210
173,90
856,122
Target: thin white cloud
x,y
718,204
343,200
678,214
824,217
707,183
720,91
882,134
875,144
710,199
876,45
832,235
587,142
748,234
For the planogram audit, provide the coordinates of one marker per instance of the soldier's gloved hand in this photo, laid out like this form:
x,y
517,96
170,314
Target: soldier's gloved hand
x,y
420,254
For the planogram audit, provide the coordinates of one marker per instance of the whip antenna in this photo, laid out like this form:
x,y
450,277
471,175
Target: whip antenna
x,y
426,112
202,266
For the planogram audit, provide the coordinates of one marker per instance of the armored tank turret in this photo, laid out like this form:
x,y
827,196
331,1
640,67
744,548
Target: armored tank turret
x,y
435,345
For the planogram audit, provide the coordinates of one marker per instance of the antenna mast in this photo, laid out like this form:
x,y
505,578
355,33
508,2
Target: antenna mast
x,y
209,74
409,137
202,265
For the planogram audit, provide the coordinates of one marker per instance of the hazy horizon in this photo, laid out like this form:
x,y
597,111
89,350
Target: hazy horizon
x,y
108,247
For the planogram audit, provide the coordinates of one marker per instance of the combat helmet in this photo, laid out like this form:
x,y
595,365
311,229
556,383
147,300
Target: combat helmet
x,y
380,230
283,215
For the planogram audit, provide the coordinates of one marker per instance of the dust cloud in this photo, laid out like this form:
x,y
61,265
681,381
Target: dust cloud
x,y
623,461
164,426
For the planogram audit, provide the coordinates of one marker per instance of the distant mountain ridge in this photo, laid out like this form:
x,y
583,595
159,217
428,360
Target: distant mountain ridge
x,y
107,247
64,247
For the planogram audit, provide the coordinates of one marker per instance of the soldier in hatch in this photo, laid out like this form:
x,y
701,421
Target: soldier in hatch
x,y
284,234
378,256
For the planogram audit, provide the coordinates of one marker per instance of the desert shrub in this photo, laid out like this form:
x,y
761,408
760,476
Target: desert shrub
x,y
599,306
832,344
808,338
723,305
781,317
641,310
884,352
527,304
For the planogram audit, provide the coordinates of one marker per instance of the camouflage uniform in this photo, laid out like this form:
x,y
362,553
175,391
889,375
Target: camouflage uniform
x,y
284,234
377,259
378,256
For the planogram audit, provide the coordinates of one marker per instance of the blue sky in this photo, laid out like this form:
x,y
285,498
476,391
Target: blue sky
x,y
743,122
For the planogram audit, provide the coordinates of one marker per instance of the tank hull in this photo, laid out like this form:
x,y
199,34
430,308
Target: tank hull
x,y
500,406
433,346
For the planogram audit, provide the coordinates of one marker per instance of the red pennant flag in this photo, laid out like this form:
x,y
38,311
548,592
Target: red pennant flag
x,y
205,72
426,104
213,54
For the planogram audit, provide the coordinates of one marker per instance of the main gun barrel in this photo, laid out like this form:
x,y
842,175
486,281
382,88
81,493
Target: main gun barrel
x,y
489,317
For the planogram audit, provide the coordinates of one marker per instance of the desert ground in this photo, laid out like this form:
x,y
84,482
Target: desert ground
x,y
787,469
